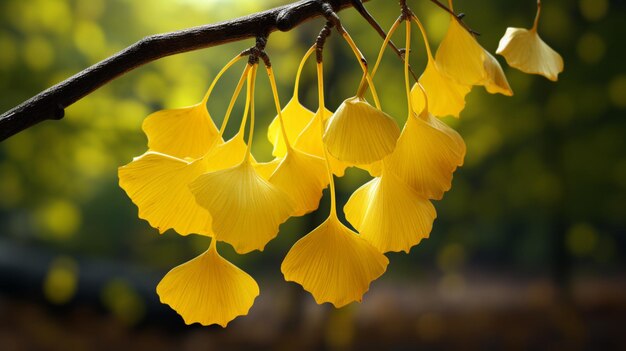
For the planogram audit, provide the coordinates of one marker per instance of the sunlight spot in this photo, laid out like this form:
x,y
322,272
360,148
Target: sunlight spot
x,y
123,302
451,257
129,114
591,48
38,53
89,39
91,9
436,26
60,219
594,10
61,280
151,87
54,15
340,328
10,186
582,239
20,147
617,91
8,54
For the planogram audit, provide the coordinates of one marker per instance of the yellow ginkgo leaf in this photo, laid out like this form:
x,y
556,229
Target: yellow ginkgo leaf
x,y
266,169
427,153
159,185
390,214
303,177
359,133
245,208
185,132
445,95
334,264
310,142
525,50
375,169
296,117
227,154
460,56
495,81
208,290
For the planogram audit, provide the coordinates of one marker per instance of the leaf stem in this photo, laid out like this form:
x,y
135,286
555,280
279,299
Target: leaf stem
x,y
231,104
217,77
536,23
424,36
252,80
358,5
296,85
319,115
406,68
270,75
362,63
363,86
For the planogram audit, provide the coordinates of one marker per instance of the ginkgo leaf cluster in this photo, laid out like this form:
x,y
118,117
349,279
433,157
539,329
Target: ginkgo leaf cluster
x,y
192,180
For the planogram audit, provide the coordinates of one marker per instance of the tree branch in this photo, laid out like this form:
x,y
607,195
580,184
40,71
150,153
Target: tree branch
x,y
358,5
51,103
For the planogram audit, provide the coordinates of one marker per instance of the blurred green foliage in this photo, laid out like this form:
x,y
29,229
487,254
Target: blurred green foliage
x,y
545,174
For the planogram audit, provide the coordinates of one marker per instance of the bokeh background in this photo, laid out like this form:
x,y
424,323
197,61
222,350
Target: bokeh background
x,y
527,251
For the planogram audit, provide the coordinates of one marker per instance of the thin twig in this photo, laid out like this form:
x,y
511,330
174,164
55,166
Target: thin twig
x,y
358,5
459,17
51,103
